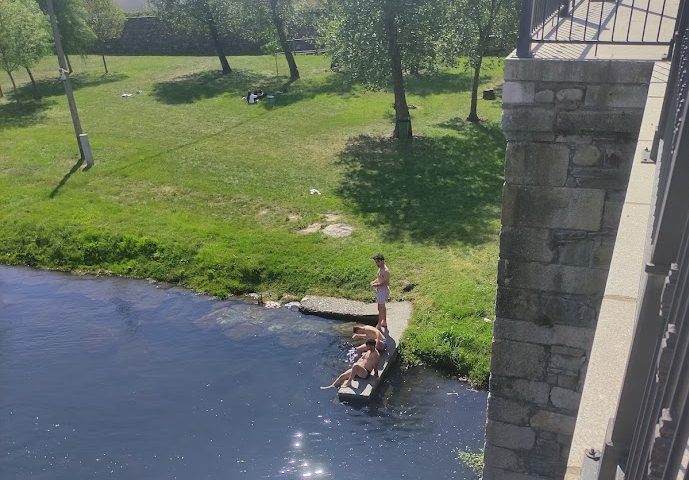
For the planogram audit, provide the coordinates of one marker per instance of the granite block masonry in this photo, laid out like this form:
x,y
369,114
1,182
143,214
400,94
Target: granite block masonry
x,y
571,128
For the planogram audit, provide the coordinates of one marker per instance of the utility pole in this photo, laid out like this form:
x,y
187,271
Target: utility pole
x,y
82,138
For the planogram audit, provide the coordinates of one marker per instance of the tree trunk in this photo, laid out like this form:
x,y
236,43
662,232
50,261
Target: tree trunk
x,y
14,85
37,93
402,118
2,94
473,116
69,65
213,29
105,65
282,37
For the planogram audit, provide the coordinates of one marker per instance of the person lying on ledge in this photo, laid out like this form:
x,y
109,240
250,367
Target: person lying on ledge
x,y
366,332
366,365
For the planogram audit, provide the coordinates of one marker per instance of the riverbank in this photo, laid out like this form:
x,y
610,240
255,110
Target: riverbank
x,y
192,186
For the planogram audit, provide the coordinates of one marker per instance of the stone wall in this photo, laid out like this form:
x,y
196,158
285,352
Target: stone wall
x,y
571,129
151,36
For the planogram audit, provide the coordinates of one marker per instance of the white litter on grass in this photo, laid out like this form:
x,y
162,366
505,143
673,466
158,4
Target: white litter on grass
x,y
125,95
314,191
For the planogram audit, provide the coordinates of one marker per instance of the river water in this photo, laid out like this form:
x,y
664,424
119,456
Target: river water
x,y
115,378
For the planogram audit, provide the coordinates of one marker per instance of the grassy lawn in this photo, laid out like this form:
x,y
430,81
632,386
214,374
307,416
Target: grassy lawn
x,y
194,186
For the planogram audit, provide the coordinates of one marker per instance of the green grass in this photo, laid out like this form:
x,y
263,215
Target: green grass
x,y
193,186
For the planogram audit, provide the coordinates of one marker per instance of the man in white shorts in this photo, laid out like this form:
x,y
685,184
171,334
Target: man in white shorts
x,y
382,285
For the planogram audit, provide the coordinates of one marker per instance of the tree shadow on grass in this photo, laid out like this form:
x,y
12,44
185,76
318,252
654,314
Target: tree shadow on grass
x,y
210,84
335,84
24,113
53,87
432,190
440,82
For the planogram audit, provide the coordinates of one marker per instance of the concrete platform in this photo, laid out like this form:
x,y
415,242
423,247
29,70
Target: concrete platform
x,y
399,313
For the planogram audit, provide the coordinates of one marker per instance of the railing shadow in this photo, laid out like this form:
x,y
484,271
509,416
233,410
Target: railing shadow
x,y
435,190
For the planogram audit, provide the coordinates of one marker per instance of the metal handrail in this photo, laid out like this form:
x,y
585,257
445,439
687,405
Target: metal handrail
x,y
595,22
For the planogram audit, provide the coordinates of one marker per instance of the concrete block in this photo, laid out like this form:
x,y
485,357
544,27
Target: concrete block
x,y
527,136
547,309
520,390
598,178
551,278
612,210
616,96
528,118
630,71
602,253
570,95
518,359
518,92
531,244
545,459
499,457
555,70
509,436
619,121
594,250
553,422
570,382
544,96
508,411
536,164
562,350
587,156
576,337
553,207
566,363
565,399
494,473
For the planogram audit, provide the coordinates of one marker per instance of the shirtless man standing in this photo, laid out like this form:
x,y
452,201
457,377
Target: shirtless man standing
x,y
366,332
382,286
362,368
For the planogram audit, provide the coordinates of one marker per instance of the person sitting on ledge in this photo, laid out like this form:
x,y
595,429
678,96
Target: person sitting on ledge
x,y
366,332
366,365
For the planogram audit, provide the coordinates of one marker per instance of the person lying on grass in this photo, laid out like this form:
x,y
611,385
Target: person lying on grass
x,y
366,332
366,365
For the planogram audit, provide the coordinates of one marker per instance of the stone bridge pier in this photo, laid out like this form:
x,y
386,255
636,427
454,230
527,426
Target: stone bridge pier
x,y
571,129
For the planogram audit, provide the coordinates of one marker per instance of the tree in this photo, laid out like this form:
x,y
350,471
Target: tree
x,y
477,26
75,32
24,36
279,9
106,19
380,41
201,17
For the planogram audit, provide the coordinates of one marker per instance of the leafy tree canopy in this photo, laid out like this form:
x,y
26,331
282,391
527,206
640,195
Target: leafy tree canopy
x,y
356,36
105,18
75,32
24,34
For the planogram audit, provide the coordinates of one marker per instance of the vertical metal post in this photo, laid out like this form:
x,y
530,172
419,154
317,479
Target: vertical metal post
x,y
524,43
82,138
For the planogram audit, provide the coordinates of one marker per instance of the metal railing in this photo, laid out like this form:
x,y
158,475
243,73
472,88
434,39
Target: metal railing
x,y
626,22
650,433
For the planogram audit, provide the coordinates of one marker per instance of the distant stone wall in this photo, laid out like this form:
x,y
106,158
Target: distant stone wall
x,y
571,129
151,36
